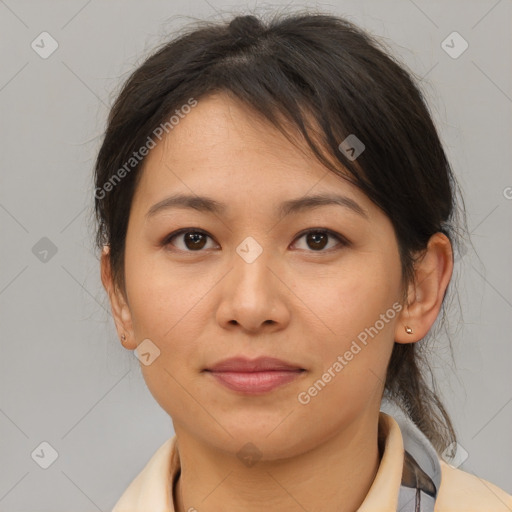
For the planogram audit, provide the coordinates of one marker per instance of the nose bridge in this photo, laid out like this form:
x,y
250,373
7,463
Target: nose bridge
x,y
251,264
251,294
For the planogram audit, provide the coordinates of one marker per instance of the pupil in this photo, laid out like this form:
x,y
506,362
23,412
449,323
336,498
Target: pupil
x,y
197,240
314,237
194,238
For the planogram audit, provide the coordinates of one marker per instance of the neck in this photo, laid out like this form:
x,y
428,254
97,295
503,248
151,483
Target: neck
x,y
334,476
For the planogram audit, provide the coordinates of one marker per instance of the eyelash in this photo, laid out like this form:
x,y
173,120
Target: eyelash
x,y
343,242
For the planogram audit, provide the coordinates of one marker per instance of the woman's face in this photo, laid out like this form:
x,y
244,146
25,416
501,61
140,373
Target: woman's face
x,y
255,284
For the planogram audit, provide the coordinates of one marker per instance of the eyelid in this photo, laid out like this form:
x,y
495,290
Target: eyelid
x,y
167,239
343,241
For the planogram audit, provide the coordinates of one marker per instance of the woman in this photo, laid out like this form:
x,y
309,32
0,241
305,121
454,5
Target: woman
x,y
276,214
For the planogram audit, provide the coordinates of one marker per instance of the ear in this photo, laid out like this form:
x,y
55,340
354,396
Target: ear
x,y
432,274
118,303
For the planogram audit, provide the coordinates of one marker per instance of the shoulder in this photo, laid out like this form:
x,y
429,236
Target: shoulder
x,y
462,491
149,490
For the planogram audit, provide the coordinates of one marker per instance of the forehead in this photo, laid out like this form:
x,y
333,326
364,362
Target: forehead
x,y
224,146
223,126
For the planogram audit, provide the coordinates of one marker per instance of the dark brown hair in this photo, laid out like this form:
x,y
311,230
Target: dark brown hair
x,y
326,77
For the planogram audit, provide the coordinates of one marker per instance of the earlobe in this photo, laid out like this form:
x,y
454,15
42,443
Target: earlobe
x,y
432,274
119,307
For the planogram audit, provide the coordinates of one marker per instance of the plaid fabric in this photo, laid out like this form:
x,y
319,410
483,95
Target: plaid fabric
x,y
417,491
421,474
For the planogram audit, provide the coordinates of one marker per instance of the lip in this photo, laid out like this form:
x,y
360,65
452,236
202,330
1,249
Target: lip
x,y
246,365
254,376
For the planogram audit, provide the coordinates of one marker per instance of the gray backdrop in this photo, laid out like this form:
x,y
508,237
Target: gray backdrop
x,y
65,380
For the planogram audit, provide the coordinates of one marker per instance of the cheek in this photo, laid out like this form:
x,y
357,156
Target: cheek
x,y
351,361
355,306
352,297
165,307
163,300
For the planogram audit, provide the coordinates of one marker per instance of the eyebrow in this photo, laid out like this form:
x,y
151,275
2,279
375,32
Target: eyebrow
x,y
207,204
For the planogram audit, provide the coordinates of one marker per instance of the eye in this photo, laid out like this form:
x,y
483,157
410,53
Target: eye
x,y
193,240
317,239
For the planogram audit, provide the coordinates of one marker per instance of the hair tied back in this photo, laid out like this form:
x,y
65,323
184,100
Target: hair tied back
x,y
248,27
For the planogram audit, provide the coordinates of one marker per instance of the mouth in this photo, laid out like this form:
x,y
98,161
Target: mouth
x,y
255,376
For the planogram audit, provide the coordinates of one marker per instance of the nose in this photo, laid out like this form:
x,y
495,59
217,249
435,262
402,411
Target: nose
x,y
253,296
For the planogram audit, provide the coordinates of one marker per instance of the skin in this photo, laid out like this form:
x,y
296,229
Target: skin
x,y
295,302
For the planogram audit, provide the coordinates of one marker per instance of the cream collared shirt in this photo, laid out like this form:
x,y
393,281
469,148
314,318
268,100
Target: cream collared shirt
x,y
459,491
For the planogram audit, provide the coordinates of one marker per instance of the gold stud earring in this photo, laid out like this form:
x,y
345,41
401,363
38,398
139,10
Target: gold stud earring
x,y
408,330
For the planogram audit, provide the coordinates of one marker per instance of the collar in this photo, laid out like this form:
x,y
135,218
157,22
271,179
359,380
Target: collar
x,y
409,471
421,476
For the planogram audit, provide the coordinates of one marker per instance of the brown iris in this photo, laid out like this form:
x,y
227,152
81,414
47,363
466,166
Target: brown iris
x,y
318,238
196,240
